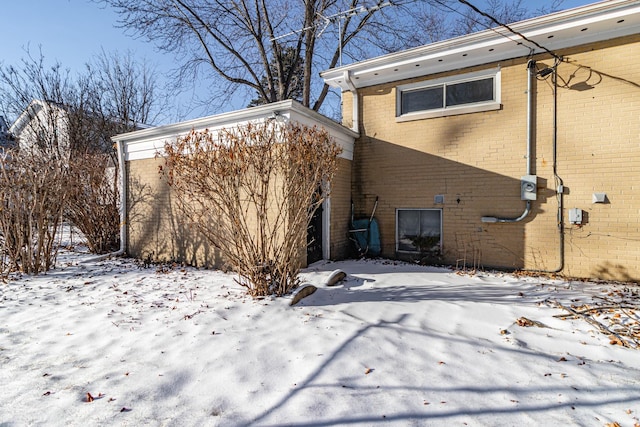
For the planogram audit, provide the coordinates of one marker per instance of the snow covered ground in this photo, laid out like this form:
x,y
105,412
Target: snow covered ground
x,y
392,345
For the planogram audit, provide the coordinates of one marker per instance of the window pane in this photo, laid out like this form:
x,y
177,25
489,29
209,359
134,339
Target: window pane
x,y
408,229
429,231
419,230
422,99
470,92
430,223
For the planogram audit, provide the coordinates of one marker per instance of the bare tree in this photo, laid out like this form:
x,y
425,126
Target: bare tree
x,y
252,191
249,44
116,94
68,121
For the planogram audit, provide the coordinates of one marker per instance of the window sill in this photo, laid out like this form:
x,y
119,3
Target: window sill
x,y
467,109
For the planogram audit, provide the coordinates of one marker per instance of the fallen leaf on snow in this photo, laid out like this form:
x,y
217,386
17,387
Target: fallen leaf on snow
x,y
524,322
614,340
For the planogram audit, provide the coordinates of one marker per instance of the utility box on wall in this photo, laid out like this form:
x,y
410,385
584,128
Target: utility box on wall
x,y
528,187
575,216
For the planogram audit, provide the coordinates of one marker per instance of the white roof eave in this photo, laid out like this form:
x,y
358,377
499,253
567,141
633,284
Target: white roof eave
x,y
230,119
592,23
147,143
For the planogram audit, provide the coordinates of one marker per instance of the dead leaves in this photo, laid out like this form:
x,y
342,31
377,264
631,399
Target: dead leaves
x,y
524,322
89,398
615,314
615,340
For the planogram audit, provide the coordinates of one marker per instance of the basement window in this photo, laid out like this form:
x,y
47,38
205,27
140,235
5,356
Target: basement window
x,y
418,230
460,94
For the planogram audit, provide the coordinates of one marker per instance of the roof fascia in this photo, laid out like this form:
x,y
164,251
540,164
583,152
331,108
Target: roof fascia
x,y
231,119
494,45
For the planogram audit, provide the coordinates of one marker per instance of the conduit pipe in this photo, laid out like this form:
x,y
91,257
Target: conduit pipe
x,y
531,75
558,180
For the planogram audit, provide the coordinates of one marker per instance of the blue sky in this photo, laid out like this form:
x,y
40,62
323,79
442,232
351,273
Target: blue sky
x,y
74,31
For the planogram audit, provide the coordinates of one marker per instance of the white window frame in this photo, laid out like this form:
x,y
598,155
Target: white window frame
x,y
398,250
475,107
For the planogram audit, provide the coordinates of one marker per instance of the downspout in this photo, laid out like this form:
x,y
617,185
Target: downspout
x,y
355,114
531,75
123,199
122,211
558,181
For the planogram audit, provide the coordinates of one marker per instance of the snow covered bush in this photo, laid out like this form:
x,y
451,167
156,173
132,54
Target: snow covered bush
x,y
252,191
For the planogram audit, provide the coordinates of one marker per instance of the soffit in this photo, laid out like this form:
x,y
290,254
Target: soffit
x,y
588,24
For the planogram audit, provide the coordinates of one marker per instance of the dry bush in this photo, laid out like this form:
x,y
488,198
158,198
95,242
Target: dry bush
x,y
32,197
93,202
252,191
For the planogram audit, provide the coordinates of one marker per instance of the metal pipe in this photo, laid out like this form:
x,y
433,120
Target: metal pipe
x,y
493,219
531,75
558,181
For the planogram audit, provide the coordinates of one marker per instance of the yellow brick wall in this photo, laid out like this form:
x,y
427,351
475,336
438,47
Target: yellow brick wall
x,y
340,210
476,160
157,231
155,227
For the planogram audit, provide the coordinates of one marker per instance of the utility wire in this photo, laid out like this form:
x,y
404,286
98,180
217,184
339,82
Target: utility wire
x,y
511,30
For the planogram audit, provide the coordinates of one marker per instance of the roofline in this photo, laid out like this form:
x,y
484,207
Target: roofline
x,y
512,45
231,118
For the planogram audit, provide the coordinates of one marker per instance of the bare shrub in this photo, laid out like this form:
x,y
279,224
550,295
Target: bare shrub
x,y
252,191
32,197
93,202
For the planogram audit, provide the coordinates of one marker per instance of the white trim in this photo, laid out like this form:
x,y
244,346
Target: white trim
x,y
592,23
147,143
494,104
326,228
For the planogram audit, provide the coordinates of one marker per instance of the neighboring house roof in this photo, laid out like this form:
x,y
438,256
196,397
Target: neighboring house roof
x,y
592,23
38,105
146,143
29,113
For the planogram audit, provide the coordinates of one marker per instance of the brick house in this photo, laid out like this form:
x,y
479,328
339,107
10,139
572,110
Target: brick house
x,y
152,225
513,149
